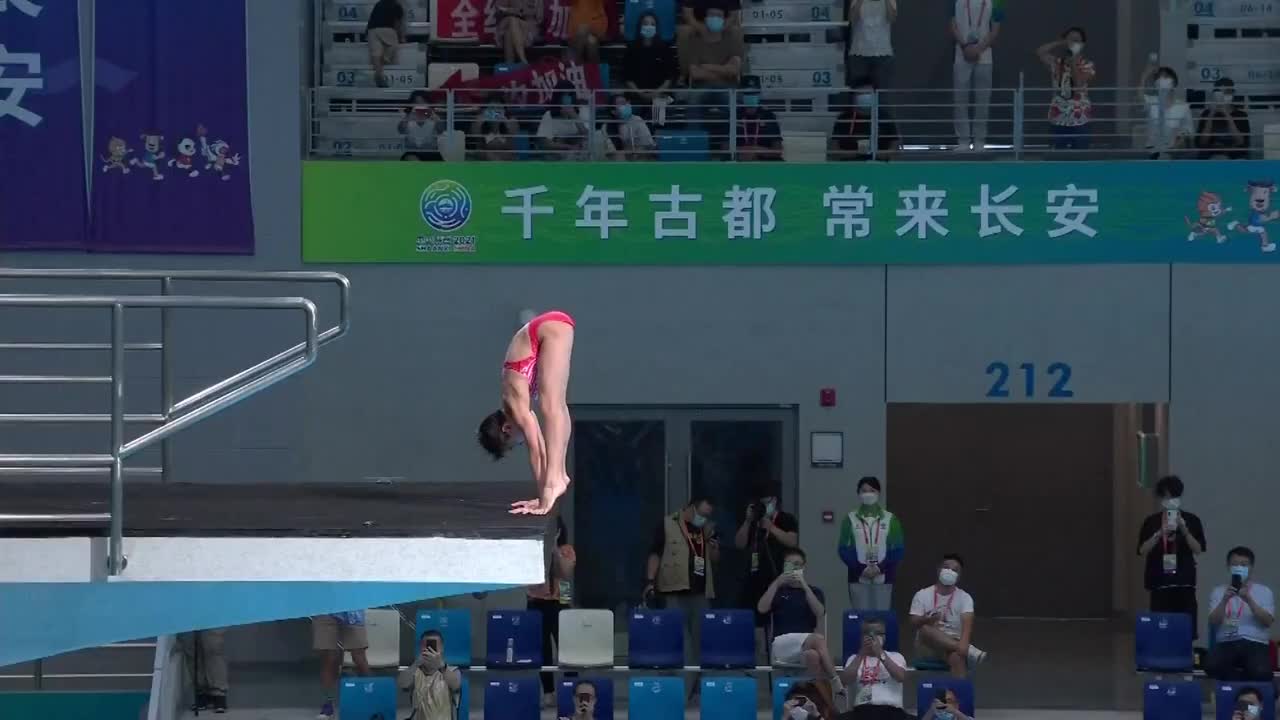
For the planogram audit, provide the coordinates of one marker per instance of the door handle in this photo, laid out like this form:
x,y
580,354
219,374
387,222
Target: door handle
x,y
982,509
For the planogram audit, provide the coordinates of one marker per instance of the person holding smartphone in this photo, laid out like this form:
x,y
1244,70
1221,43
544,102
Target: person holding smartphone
x,y
942,615
946,706
1171,538
876,675
1248,705
1241,618
435,686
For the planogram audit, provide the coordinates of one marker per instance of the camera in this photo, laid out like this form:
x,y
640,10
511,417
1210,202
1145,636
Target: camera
x,y
757,509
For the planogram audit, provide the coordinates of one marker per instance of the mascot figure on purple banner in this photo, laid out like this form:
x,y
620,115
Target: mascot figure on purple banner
x,y
217,154
117,156
186,159
152,154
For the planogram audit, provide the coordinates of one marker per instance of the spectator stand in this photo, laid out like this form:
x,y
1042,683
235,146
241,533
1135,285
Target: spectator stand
x,y
341,49
796,45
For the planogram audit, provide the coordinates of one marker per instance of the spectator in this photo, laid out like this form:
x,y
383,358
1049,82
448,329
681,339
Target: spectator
x,y
549,599
1169,126
766,533
682,556
1223,132
1071,72
584,701
870,42
1171,539
851,136
494,130
206,652
563,131
1243,611
877,676
649,66
518,26
1248,704
942,615
759,136
796,613
946,706
693,26
807,701
420,126
435,686
975,26
629,138
715,61
333,635
589,25
385,31
871,545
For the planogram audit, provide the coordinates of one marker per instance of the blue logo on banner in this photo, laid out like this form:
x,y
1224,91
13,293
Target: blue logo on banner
x,y
446,205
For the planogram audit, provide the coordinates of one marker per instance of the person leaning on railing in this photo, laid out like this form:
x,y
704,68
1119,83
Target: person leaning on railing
x,y
1223,132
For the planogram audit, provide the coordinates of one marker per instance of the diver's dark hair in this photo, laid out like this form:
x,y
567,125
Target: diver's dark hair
x,y
491,436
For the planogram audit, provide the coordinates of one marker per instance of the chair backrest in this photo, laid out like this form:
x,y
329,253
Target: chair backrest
x,y
367,698
1171,701
1224,696
513,638
686,145
929,688
1163,642
514,698
664,9
852,630
383,629
655,639
728,639
464,698
586,638
656,698
604,697
454,626
728,698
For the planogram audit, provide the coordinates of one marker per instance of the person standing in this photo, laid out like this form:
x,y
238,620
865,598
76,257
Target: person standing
x,y
871,545
205,650
385,30
333,635
1071,72
975,26
549,599
680,573
1171,539
871,42
1242,615
766,533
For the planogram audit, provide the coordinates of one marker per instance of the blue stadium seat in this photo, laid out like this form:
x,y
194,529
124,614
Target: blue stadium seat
x,y
455,626
928,691
604,77
500,68
656,698
367,698
1224,696
1171,701
1163,642
656,639
664,9
728,639
514,639
728,698
853,630
464,698
781,687
512,699
604,697
684,145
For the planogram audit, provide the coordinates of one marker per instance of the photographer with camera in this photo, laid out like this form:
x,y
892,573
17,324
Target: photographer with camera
x,y
1243,611
435,685
766,533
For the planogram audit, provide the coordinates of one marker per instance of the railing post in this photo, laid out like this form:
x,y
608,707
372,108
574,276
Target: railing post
x,y
875,124
115,561
37,674
166,375
448,109
1019,117
733,124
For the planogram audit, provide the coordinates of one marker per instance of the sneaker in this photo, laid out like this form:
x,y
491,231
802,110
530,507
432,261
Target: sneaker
x,y
326,711
548,700
201,702
976,657
1269,247
219,704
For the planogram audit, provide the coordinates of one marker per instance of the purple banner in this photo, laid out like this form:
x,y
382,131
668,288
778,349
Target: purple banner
x,y
171,128
42,169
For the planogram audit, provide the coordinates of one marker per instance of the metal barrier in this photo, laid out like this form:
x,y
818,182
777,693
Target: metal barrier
x,y
174,415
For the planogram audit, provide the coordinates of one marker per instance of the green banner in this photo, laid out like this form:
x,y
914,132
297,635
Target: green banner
x,y
648,213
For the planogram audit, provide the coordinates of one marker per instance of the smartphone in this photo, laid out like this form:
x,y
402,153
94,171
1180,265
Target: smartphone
x,y
433,645
1236,581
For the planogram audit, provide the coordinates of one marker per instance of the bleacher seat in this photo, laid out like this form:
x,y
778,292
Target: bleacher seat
x,y
586,638
728,639
398,77
454,626
655,639
411,55
764,12
1163,642
513,639
512,699
656,698
1171,701
1224,698
684,145
367,698
781,687
664,9
728,698
928,689
383,628
604,697
852,630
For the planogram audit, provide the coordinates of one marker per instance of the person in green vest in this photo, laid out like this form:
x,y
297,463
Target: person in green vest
x,y
871,546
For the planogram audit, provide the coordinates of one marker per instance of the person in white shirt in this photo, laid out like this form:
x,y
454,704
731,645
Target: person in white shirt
x,y
1169,124
942,615
975,26
628,135
871,42
1243,611
875,677
563,132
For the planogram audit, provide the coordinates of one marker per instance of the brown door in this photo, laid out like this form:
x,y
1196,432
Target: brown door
x,y
1023,492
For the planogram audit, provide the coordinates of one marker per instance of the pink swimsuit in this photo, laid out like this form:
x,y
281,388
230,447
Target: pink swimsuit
x,y
528,367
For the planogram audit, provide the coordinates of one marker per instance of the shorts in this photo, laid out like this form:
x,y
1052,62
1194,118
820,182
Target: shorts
x,y
329,634
789,649
384,43
924,652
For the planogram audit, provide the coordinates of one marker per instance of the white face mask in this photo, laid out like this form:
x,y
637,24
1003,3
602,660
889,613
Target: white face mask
x,y
1241,570
1255,711
1164,83
1228,98
869,498
1075,48
804,712
1171,503
948,577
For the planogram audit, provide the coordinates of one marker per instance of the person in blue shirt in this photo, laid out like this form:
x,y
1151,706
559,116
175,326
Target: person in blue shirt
x,y
796,613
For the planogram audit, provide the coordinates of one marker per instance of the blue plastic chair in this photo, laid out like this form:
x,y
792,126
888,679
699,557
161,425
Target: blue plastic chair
x,y
728,639
656,639
684,145
656,698
1163,642
664,9
604,76
367,698
604,697
454,626
464,698
1224,696
514,639
728,698
852,630
512,699
928,690
1171,701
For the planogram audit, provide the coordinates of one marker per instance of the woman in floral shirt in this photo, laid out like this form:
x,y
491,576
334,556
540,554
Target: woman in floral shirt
x,y
1071,110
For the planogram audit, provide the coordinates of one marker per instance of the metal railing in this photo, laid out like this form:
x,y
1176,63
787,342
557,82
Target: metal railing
x,y
174,415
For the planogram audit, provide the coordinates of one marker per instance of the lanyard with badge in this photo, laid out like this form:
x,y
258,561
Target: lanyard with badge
x,y
973,38
946,609
873,545
868,677
1231,624
696,548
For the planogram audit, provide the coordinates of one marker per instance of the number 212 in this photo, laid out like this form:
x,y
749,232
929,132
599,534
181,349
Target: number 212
x,y
999,373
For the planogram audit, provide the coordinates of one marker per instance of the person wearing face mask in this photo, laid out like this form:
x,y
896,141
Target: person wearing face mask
x,y
1071,72
876,676
628,134
435,686
806,701
680,573
975,26
946,706
851,137
1169,126
649,66
1171,538
493,130
420,127
871,545
715,63
759,135
942,615
1223,131
1248,705
767,532
1241,618
563,130
797,612
584,702
871,41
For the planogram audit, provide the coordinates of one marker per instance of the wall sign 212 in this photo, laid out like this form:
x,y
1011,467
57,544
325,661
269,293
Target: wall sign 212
x,y
1056,378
